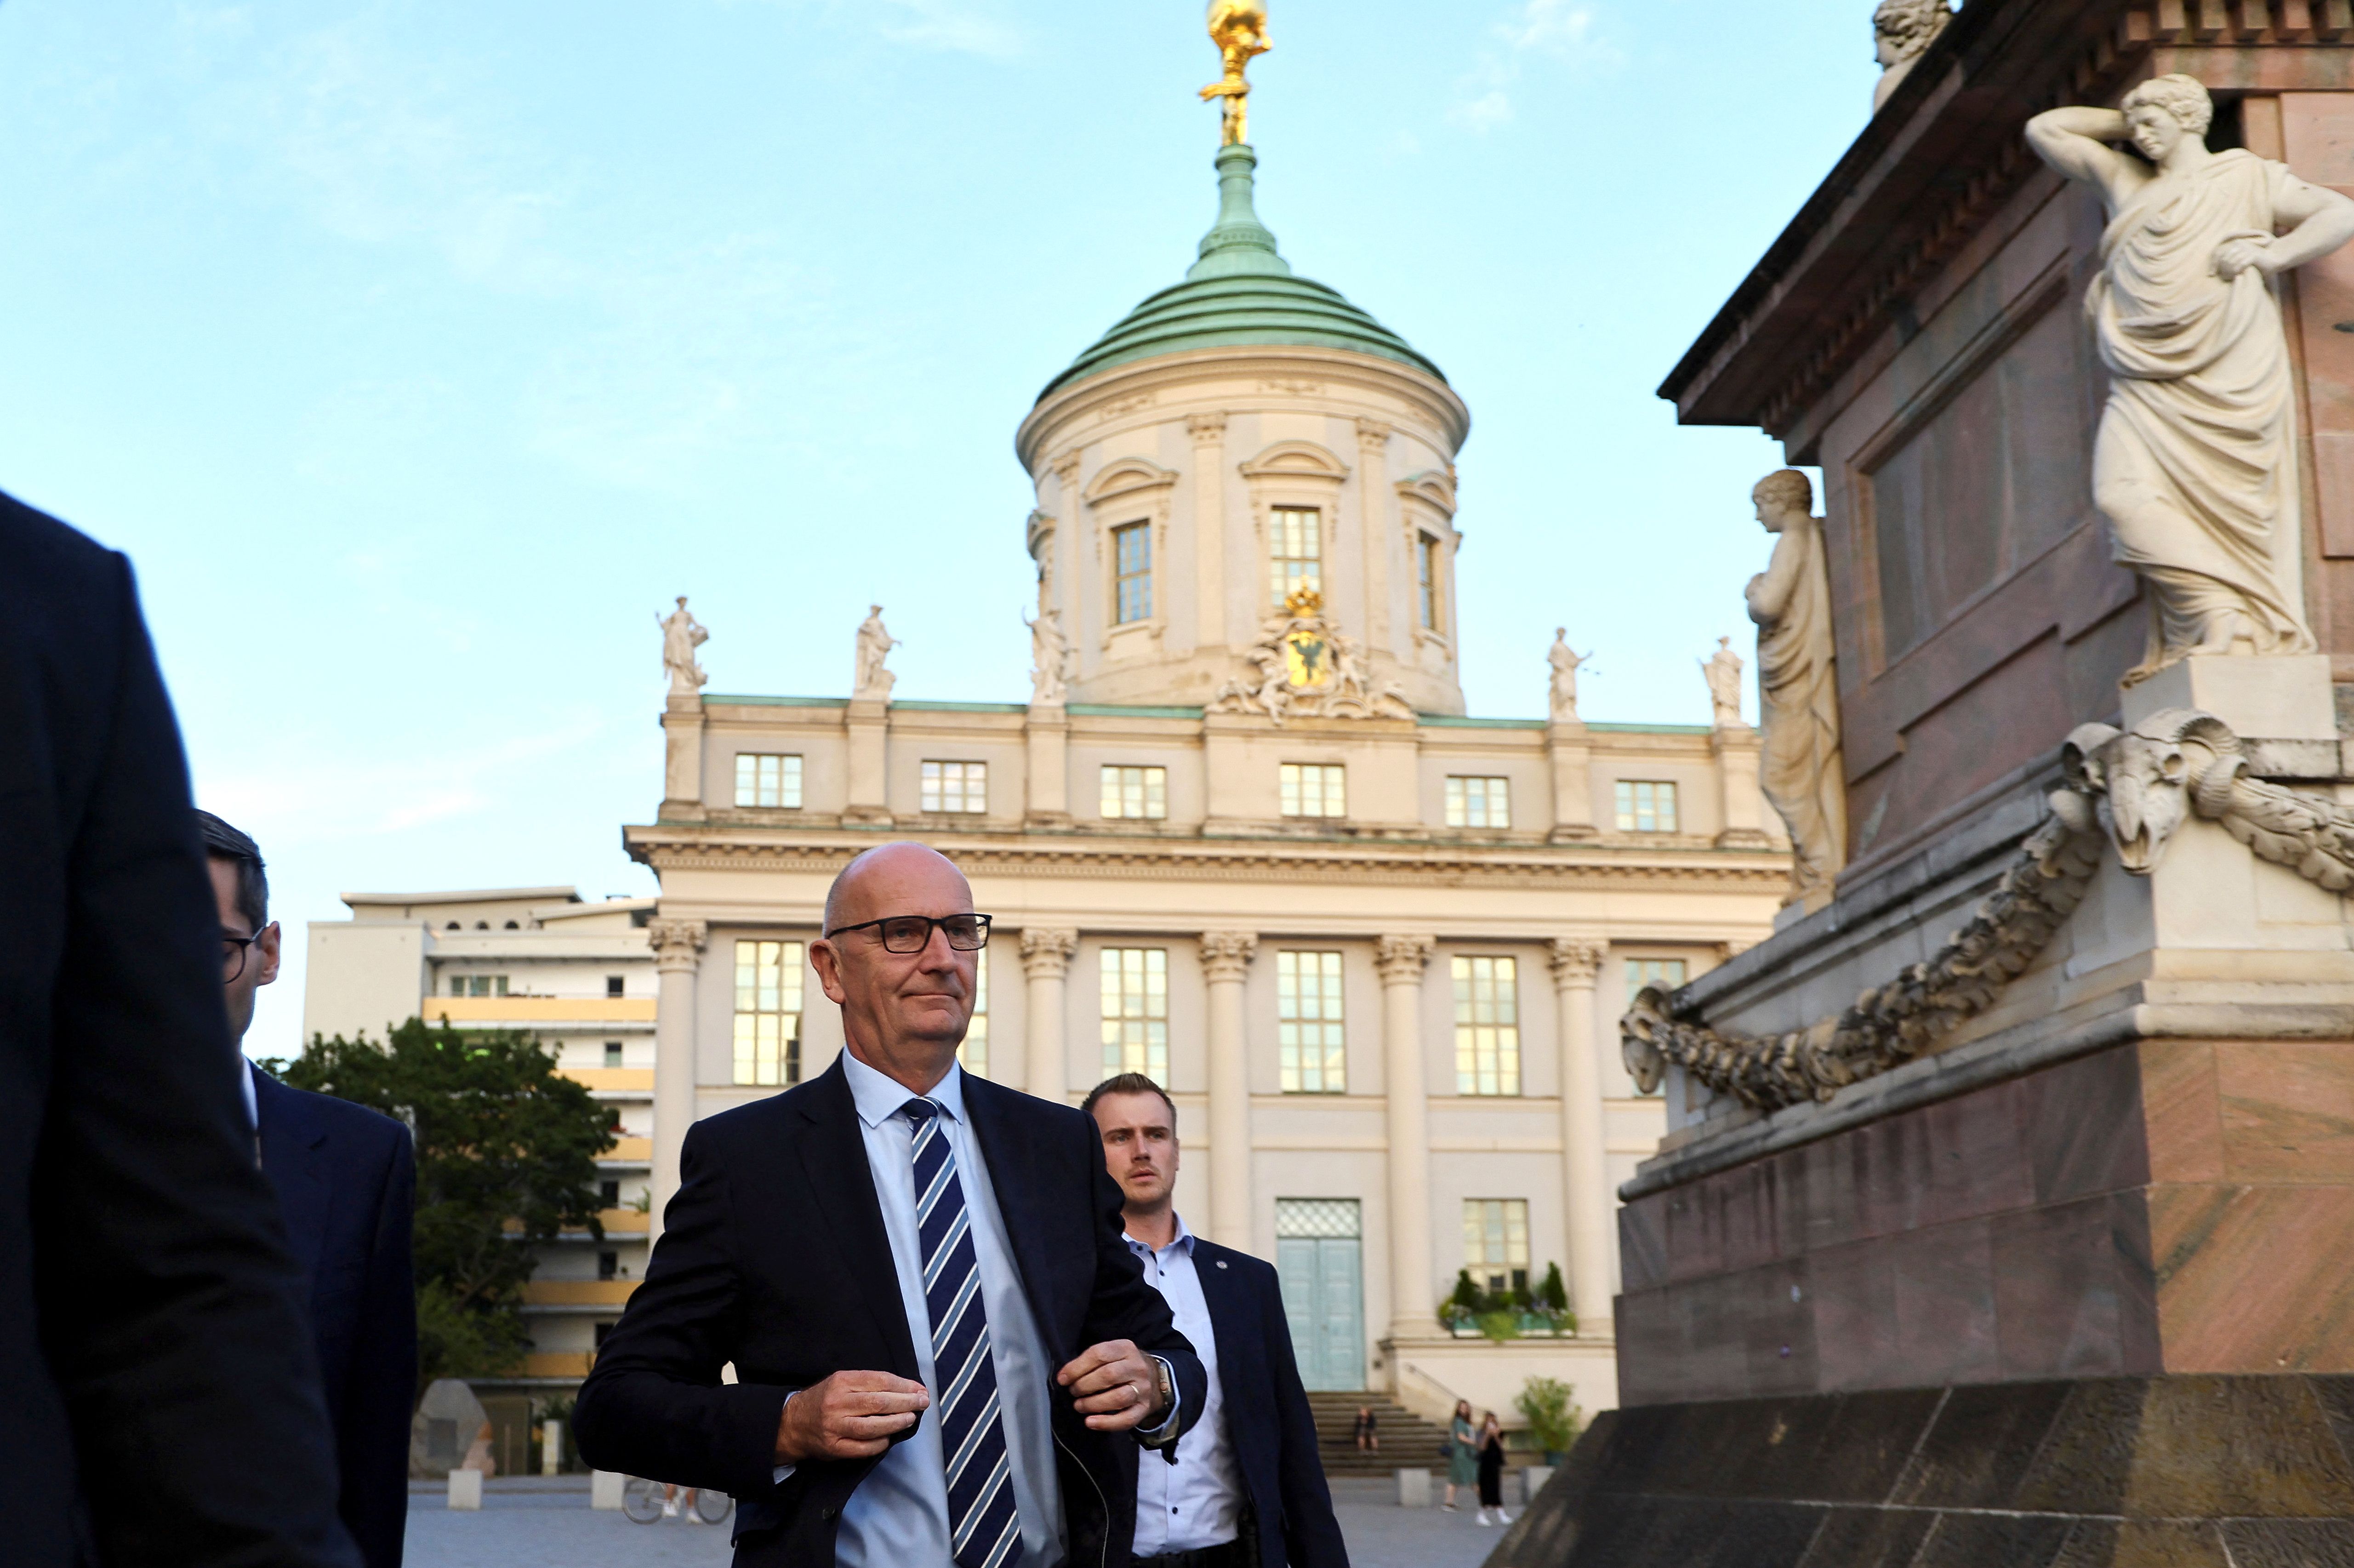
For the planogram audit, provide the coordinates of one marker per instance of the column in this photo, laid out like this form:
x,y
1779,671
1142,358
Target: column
x,y
1226,959
1209,433
1412,1291
678,947
1591,1218
1046,960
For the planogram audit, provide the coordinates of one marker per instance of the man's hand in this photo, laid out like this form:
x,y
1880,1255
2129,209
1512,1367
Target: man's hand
x,y
850,1415
1115,1385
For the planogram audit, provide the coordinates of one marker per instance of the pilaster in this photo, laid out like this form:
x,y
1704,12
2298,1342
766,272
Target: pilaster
x,y
682,723
1739,751
1570,753
1048,732
868,720
1209,433
1374,535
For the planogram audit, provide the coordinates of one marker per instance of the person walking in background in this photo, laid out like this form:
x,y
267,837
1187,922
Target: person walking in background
x,y
1369,1436
1462,1452
945,1351
1246,1487
162,1403
347,1183
1492,1469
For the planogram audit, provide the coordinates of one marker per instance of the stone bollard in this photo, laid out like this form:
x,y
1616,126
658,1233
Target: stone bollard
x,y
1532,1481
551,1446
605,1489
466,1490
1414,1489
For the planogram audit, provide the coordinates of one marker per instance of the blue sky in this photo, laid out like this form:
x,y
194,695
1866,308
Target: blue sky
x,y
417,353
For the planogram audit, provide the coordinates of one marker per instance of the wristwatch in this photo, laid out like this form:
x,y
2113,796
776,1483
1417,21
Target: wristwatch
x,y
1168,1389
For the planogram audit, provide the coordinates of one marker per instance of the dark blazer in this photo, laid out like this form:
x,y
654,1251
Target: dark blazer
x,y
153,1360
347,1183
773,1256
1268,1425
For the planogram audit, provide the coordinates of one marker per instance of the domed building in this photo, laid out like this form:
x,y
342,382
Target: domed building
x,y
1242,836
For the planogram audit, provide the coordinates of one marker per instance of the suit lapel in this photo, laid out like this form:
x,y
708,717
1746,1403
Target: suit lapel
x,y
1221,1294
834,1160
292,1157
1013,1178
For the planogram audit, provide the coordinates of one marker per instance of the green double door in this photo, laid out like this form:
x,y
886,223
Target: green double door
x,y
1320,1260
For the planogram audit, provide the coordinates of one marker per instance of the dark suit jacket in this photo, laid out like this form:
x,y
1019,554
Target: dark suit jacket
x,y
1268,1425
773,1255
347,1183
152,1357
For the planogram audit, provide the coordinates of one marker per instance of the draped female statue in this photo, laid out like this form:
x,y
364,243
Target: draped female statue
x,y
1798,684
2193,465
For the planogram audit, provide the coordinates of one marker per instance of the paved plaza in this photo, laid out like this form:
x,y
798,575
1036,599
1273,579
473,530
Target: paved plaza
x,y
534,1523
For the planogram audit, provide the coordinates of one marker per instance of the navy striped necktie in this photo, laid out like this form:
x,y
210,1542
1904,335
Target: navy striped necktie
x,y
984,1531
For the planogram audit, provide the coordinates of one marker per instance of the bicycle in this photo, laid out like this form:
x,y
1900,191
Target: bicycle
x,y
642,1502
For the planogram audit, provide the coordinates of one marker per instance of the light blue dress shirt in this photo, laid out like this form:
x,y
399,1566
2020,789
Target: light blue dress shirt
x,y
1196,1501
898,1517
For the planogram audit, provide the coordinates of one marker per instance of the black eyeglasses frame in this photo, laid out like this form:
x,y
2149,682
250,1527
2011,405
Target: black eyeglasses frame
x,y
931,923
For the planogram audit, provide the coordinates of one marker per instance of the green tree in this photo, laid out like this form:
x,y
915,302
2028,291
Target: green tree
x,y
1553,1419
506,1158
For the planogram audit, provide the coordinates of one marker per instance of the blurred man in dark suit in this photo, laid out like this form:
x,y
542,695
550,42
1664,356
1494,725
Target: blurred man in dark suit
x,y
154,1363
1248,1489
347,1183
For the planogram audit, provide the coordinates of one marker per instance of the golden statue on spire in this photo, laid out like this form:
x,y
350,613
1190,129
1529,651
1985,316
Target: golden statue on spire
x,y
1239,29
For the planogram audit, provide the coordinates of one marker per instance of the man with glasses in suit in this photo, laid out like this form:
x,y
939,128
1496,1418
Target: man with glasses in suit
x,y
943,1351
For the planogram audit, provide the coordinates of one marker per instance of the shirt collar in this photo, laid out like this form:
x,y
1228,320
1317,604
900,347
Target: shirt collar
x,y
1184,1240
878,1096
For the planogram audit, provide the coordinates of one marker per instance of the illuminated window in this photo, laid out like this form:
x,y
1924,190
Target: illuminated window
x,y
956,786
768,779
1487,1027
768,1013
1426,579
1131,554
1496,1242
1136,792
1315,789
1646,806
1136,1012
1308,1023
1665,973
974,1052
1295,552
1479,803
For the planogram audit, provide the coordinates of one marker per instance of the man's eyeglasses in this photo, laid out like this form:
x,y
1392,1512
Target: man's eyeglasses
x,y
233,952
913,933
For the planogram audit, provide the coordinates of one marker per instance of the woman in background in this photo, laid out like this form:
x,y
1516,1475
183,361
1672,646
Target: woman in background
x,y
1492,1469
1462,1452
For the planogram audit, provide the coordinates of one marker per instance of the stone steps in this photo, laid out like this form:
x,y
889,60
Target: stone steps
x,y
1408,1442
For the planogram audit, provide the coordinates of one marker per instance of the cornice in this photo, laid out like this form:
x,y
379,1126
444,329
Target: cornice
x,y
681,847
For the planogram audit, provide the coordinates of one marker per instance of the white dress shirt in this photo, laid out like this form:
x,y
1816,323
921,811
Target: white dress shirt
x,y
898,1517
1196,1501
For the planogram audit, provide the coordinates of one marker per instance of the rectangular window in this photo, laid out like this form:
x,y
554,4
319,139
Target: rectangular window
x,y
615,985
1478,802
608,1264
1426,579
956,786
1496,1242
974,1052
1136,1012
478,985
612,1052
1486,1026
768,1013
1315,789
1665,973
765,779
1295,552
608,1193
1131,554
1308,1023
1646,806
1136,792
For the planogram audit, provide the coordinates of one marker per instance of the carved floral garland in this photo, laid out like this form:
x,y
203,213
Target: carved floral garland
x,y
2132,787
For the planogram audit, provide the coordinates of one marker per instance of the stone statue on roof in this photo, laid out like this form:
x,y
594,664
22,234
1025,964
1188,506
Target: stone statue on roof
x,y
1901,30
1564,661
874,645
1050,657
1722,671
681,637
2195,463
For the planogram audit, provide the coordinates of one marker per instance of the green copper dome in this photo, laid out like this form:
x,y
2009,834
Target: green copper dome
x,y
1240,292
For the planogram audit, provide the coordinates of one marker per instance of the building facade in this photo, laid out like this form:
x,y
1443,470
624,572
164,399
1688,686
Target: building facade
x,y
579,977
1245,838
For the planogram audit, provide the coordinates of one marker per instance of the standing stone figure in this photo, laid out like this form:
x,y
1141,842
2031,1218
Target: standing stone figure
x,y
1722,670
1900,31
681,638
1564,661
874,645
1049,658
2193,465
1798,687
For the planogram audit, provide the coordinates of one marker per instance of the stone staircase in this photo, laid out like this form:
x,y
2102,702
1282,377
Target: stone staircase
x,y
1408,1442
